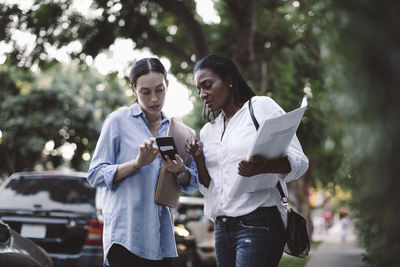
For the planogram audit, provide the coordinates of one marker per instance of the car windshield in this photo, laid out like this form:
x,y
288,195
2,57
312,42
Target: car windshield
x,y
49,194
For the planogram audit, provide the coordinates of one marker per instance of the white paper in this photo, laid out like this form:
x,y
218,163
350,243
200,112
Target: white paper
x,y
272,140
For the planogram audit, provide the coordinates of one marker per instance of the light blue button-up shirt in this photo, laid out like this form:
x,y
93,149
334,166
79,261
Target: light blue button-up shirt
x,y
131,217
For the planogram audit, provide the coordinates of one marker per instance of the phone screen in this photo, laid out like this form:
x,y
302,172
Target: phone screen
x,y
167,146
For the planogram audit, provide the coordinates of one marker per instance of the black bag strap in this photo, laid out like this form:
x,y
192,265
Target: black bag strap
x,y
252,115
278,185
284,198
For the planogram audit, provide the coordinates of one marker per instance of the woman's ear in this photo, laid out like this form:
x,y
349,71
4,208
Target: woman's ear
x,y
166,83
229,81
133,90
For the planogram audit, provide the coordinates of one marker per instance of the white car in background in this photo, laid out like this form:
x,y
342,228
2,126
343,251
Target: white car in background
x,y
190,212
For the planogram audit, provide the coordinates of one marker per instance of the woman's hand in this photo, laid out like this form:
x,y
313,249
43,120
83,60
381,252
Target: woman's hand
x,y
194,147
258,165
147,153
175,166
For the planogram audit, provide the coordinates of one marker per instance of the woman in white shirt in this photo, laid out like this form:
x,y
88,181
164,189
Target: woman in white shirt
x,y
250,228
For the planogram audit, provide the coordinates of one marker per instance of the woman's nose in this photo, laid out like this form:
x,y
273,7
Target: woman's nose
x,y
154,97
203,95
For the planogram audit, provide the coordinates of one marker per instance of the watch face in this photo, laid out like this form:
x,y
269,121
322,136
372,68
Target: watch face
x,y
182,174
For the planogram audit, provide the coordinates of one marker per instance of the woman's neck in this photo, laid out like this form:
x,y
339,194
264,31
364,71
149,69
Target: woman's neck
x,y
154,122
153,118
231,110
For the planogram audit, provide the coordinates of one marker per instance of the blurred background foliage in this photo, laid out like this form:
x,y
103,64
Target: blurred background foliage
x,y
63,107
343,55
362,73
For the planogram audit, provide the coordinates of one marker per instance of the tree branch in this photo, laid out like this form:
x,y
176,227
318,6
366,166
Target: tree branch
x,y
315,51
191,26
160,40
169,46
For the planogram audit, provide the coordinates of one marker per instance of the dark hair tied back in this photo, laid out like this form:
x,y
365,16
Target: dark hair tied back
x,y
224,68
144,66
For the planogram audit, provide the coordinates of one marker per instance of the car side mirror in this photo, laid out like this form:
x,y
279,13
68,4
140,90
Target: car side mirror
x,y
5,233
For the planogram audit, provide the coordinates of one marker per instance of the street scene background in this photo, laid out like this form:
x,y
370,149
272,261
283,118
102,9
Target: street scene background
x,y
64,66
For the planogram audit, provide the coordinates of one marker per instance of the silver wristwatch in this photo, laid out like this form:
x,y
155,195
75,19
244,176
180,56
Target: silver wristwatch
x,y
182,174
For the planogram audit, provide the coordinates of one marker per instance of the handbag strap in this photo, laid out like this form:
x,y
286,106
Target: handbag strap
x,y
284,198
252,115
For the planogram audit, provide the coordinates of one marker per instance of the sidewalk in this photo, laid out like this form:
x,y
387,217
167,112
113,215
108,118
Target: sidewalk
x,y
334,252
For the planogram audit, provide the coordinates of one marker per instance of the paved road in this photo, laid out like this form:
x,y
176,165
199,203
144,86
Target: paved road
x,y
334,251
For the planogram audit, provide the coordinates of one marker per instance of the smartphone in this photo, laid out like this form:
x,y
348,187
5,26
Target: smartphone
x,y
167,146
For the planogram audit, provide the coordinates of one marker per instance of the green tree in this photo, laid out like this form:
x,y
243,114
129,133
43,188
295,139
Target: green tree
x,y
361,41
53,106
273,43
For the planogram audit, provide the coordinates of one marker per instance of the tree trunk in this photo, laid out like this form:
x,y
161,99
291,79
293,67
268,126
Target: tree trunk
x,y
244,53
10,160
264,77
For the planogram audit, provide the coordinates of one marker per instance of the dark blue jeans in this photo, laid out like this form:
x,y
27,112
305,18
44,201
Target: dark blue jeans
x,y
255,239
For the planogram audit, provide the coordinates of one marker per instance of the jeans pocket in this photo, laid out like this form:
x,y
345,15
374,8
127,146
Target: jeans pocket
x,y
256,223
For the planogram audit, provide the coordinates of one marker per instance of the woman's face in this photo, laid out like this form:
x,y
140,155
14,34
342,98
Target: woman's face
x,y
213,91
150,91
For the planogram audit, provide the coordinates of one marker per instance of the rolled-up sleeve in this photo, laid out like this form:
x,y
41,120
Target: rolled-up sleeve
x,y
103,166
188,189
204,190
298,161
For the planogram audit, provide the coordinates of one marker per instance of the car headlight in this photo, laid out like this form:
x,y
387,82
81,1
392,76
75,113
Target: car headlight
x,y
181,231
181,247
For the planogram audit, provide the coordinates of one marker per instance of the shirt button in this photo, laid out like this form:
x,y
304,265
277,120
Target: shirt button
x,y
224,219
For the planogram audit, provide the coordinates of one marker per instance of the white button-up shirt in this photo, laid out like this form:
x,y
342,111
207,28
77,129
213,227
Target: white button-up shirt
x,y
224,150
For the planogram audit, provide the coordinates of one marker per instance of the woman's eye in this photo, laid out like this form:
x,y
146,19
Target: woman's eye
x,y
161,89
145,92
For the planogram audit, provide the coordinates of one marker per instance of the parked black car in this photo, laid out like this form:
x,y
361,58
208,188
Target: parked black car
x,y
58,212
18,251
61,213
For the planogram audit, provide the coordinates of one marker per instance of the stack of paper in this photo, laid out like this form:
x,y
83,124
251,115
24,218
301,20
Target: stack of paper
x,y
272,140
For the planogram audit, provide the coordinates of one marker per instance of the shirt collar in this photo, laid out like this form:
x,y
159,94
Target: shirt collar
x,y
137,111
220,117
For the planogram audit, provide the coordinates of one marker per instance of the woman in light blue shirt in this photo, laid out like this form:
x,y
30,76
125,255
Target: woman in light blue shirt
x,y
126,165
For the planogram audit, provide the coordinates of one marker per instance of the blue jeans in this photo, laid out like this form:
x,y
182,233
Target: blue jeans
x,y
255,239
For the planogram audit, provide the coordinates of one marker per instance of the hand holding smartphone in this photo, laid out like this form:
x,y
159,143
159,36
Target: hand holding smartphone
x,y
167,146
